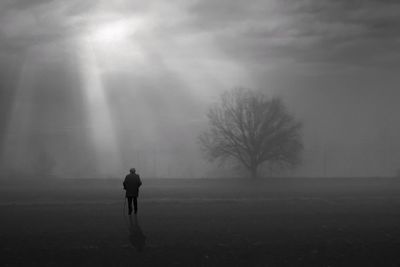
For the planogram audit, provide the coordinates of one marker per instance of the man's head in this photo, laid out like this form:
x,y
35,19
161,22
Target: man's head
x,y
132,170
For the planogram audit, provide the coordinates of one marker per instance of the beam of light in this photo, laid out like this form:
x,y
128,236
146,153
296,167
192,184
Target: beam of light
x,y
16,154
106,48
100,120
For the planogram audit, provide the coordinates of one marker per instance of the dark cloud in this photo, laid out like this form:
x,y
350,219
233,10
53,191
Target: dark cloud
x,y
21,4
306,31
341,32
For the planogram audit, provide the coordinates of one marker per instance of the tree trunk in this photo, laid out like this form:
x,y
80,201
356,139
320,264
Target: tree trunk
x,y
253,172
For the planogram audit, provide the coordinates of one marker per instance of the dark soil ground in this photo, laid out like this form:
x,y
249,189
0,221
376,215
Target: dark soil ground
x,y
274,222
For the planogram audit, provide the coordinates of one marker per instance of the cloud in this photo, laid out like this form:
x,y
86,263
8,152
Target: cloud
x,y
306,31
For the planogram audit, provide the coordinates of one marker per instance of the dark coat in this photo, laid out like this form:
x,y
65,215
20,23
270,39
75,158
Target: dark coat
x,y
132,183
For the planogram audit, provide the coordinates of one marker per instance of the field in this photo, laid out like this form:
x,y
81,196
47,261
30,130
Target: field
x,y
227,222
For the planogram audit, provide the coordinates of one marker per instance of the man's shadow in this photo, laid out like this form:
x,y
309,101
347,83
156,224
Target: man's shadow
x,y
136,236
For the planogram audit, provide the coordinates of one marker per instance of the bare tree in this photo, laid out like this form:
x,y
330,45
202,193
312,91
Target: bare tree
x,y
252,129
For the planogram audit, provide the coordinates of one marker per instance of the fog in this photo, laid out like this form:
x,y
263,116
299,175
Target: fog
x,y
90,89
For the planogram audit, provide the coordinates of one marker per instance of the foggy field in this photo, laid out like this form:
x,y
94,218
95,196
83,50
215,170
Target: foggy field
x,y
147,91
273,222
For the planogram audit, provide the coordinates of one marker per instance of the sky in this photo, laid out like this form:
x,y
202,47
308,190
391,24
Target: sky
x,y
91,88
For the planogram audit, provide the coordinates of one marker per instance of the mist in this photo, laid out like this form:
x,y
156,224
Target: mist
x,y
92,89
199,133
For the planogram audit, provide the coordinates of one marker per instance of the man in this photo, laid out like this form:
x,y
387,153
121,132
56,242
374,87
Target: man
x,y
131,185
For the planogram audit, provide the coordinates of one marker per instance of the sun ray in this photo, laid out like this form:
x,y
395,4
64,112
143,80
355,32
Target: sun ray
x,y
100,120
15,153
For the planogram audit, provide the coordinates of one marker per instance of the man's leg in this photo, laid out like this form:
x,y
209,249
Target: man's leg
x,y
135,204
130,205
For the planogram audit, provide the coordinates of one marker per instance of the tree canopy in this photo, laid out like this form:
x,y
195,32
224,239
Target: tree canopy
x,y
248,127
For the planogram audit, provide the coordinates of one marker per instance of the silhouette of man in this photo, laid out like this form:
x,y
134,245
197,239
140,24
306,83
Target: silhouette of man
x,y
131,184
